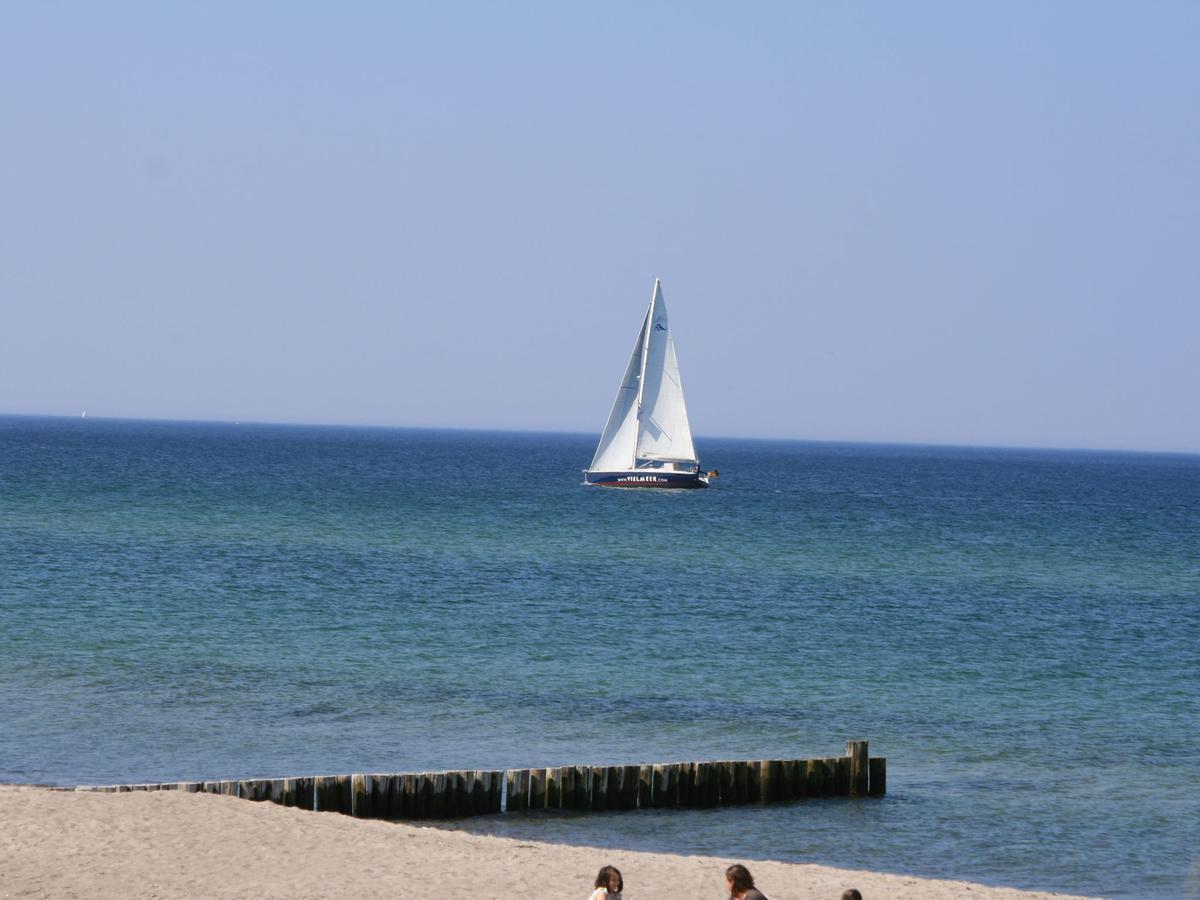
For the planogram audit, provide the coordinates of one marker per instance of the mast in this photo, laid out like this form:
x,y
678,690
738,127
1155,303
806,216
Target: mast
x,y
642,374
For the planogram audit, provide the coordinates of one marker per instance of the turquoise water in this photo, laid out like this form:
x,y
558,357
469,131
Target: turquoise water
x,y
1015,630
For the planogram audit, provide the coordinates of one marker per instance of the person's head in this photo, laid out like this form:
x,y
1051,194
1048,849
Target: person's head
x,y
739,880
610,879
851,894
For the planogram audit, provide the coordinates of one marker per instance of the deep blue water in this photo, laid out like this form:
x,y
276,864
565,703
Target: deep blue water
x,y
1016,631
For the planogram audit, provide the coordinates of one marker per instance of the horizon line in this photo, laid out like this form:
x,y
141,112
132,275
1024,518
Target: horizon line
x,y
495,430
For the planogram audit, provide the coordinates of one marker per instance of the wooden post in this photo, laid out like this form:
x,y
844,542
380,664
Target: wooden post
x,y
466,800
617,788
282,792
614,787
457,797
629,787
519,796
395,795
375,794
385,791
790,779
741,782
464,789
645,793
553,788
754,776
537,788
438,802
425,795
775,785
671,798
510,788
841,768
479,792
662,796
725,779
831,775
514,801
360,800
333,793
712,783
699,773
567,786
695,790
683,784
304,792
826,777
799,779
877,766
859,776
600,787
408,799
626,787
496,792
523,779
699,788
449,791
481,788
581,788
808,774
462,796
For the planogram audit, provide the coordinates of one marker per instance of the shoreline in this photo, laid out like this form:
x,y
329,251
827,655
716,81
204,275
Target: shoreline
x,y
172,844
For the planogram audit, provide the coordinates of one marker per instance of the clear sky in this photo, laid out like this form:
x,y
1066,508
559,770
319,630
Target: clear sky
x,y
933,222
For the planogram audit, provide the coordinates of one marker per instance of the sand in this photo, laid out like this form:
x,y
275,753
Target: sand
x,y
169,844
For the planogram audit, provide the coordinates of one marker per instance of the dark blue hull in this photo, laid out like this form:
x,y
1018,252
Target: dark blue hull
x,y
647,478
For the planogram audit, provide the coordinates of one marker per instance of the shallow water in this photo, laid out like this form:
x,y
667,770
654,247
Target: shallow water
x,y
1014,630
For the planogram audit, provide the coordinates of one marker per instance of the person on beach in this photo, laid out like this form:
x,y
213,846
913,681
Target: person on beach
x,y
851,894
609,884
741,884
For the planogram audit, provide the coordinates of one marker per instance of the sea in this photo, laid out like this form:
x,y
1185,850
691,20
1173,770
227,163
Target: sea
x,y
1016,631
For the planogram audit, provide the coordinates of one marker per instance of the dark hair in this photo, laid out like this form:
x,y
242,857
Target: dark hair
x,y
741,879
604,879
851,894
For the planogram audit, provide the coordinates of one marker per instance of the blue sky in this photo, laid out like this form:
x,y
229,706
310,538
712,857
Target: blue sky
x,y
931,222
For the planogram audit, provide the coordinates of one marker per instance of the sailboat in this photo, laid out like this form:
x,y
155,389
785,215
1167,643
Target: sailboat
x,y
647,441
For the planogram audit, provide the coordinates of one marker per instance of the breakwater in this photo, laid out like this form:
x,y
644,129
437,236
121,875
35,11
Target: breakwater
x,y
464,793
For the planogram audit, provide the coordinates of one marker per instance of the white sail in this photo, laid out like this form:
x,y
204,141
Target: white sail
x,y
648,421
664,432
618,443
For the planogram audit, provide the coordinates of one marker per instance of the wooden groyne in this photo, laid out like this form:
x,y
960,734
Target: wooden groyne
x,y
454,795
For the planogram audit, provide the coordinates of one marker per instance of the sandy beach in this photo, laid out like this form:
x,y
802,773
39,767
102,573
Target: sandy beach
x,y
167,844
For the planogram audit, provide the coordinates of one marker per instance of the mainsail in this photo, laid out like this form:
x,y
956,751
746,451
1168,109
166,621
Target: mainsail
x,y
648,419
619,440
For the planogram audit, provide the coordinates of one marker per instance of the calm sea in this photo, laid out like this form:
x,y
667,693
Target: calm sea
x,y
1017,631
